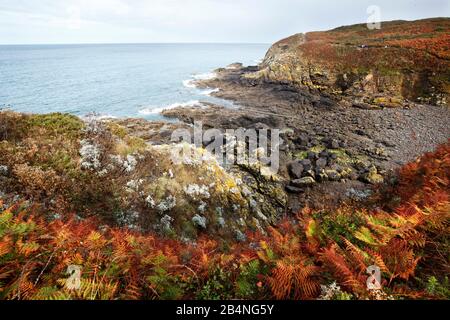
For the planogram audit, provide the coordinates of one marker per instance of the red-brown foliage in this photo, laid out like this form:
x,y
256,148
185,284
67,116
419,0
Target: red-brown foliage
x,y
290,262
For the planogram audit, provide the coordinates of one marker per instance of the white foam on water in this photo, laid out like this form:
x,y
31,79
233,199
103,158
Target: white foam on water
x,y
98,117
208,92
205,76
189,83
106,117
158,110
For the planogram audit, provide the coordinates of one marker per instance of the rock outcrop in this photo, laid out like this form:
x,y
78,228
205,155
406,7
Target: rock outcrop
x,y
401,61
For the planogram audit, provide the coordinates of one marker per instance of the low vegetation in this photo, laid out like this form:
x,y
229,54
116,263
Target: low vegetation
x,y
65,214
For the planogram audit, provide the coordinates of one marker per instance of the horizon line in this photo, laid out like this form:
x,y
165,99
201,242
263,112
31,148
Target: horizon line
x,y
124,43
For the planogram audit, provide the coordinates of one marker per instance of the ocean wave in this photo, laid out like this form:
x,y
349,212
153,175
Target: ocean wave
x,y
97,116
205,76
208,92
189,83
6,107
158,110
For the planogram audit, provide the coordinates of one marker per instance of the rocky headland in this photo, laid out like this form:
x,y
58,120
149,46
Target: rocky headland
x,y
350,111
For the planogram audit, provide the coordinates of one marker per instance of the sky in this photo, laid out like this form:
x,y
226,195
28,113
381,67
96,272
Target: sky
x,y
174,21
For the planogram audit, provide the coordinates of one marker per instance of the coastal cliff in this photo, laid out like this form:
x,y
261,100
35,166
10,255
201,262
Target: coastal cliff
x,y
401,61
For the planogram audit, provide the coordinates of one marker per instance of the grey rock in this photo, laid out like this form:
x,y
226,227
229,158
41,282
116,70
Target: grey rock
x,y
312,155
306,162
336,167
321,163
334,144
324,154
295,190
358,194
296,169
353,176
303,140
307,165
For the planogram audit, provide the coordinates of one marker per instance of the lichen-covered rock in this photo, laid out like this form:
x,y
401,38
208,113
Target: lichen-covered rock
x,y
166,223
199,221
306,181
234,196
3,170
240,236
90,155
373,176
333,175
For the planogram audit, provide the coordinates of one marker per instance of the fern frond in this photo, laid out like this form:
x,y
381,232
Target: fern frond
x,y
293,279
5,246
341,269
358,255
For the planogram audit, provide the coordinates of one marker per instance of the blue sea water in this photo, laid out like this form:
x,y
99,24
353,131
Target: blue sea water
x,y
129,80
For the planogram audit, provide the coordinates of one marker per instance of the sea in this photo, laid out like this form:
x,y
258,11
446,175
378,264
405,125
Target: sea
x,y
114,80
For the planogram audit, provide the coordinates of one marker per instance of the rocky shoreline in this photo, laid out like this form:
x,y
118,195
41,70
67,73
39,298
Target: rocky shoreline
x,y
331,148
336,146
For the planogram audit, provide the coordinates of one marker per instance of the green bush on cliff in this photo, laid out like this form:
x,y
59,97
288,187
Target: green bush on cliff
x,y
56,124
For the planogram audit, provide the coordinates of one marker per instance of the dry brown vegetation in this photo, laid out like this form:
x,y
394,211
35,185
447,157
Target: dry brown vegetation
x,y
404,230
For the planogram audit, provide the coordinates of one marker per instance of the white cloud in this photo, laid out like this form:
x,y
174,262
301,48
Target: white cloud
x,y
65,21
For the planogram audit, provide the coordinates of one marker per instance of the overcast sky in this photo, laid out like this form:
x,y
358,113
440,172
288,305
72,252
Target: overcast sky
x,y
137,21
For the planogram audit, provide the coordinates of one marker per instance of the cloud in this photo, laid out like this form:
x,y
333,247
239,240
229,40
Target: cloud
x,y
63,21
